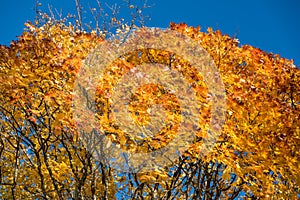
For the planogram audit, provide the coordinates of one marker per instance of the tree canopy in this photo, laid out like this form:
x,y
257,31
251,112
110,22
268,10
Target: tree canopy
x,y
43,156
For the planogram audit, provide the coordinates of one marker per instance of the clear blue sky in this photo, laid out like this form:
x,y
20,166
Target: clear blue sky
x,y
273,26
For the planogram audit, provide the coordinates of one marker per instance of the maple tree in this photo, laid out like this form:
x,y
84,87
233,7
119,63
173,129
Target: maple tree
x,y
44,156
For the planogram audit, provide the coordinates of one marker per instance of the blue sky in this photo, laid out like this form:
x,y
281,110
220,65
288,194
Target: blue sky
x,y
273,26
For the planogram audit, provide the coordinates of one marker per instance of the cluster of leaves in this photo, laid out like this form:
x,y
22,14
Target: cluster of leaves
x,y
39,158
42,155
260,140
142,101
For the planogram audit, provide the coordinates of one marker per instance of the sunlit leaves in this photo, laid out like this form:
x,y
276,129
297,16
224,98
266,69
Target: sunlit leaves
x,y
37,75
42,155
263,111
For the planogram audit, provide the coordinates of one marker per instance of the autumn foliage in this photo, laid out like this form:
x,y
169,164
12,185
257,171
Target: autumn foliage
x,y
42,155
